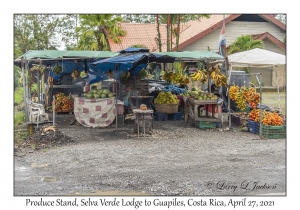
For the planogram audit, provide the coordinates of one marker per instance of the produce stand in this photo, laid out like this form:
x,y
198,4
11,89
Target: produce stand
x,y
260,88
256,58
50,58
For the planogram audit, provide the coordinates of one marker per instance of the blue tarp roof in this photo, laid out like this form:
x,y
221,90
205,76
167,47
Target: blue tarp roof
x,y
132,62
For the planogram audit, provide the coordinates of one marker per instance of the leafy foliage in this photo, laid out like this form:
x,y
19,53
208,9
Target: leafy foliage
x,y
95,30
244,43
17,76
39,31
137,18
18,95
19,118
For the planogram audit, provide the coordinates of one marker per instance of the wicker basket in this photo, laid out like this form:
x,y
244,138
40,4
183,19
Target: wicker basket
x,y
166,108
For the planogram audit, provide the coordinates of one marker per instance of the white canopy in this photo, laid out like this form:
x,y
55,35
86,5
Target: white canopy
x,y
256,58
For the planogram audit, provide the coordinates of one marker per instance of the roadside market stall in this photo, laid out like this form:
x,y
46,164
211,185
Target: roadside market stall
x,y
124,70
200,107
262,59
56,72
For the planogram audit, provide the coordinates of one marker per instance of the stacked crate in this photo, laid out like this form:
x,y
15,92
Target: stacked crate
x,y
176,116
160,116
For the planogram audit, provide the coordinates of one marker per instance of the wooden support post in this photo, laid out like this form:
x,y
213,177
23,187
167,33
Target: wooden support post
x,y
24,90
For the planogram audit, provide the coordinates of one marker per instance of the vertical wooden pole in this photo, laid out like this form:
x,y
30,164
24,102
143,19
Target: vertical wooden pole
x,y
53,107
24,91
260,111
38,84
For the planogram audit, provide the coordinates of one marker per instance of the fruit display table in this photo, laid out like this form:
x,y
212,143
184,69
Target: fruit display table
x,y
95,112
191,111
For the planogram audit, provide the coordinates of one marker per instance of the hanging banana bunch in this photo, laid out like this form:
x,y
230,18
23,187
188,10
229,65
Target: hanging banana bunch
x,y
199,75
50,81
233,92
216,75
124,75
39,68
57,69
75,74
109,74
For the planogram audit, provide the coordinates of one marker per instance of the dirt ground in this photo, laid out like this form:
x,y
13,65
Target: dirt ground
x,y
177,159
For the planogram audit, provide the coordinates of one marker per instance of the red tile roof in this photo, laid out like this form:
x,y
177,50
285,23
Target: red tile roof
x,y
269,36
139,34
272,38
146,34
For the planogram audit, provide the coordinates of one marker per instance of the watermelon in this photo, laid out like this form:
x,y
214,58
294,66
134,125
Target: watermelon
x,y
97,95
89,95
103,95
106,91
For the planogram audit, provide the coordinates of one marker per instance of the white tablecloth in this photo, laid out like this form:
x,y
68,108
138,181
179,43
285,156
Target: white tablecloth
x,y
95,112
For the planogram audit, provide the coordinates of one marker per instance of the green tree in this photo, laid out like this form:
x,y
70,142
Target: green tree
x,y
40,32
137,18
244,43
68,32
95,30
17,76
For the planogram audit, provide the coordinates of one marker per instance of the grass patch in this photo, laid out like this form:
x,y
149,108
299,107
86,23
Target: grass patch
x,y
19,136
18,95
19,118
271,99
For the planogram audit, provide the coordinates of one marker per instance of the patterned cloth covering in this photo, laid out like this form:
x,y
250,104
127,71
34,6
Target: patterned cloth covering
x,y
95,112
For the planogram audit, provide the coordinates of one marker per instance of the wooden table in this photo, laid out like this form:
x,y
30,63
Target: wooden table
x,y
138,112
192,114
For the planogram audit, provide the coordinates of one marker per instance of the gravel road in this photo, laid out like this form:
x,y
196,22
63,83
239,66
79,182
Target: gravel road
x,y
176,160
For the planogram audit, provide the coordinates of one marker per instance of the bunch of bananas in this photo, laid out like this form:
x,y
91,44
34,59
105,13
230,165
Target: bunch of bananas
x,y
173,77
50,81
143,73
233,91
218,78
251,96
38,68
184,81
124,75
109,74
75,74
240,101
200,75
237,94
57,69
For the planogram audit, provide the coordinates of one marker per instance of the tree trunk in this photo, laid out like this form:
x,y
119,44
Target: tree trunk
x,y
168,34
171,32
101,31
158,33
177,33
